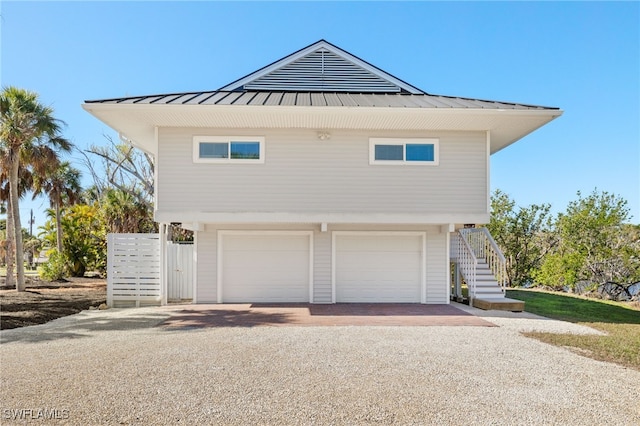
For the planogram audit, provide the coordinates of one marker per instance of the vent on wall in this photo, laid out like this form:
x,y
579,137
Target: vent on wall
x,y
322,70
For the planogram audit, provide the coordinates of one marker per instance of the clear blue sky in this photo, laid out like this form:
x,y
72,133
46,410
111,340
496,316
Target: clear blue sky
x,y
580,56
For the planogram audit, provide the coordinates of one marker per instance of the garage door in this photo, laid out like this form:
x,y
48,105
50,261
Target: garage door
x,y
379,268
265,267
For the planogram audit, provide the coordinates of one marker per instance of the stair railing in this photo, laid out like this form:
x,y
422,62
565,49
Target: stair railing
x,y
484,247
468,264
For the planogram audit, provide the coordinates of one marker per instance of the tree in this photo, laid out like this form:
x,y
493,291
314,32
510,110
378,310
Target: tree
x,y
34,161
125,213
61,184
523,234
24,125
3,240
123,167
84,240
123,179
597,246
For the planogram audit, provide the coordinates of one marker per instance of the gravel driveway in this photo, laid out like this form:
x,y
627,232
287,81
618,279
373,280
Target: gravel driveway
x,y
116,367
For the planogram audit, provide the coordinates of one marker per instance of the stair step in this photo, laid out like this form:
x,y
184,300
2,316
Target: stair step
x,y
496,294
485,278
501,304
488,284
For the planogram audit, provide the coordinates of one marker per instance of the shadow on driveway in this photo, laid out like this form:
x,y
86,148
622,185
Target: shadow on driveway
x,y
86,324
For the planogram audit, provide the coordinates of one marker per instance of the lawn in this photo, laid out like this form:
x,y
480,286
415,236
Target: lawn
x,y
621,322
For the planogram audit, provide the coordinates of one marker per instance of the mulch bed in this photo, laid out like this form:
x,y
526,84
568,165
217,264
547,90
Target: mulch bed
x,y
44,301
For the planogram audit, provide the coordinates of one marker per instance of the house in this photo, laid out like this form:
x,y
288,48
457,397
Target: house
x,y
321,178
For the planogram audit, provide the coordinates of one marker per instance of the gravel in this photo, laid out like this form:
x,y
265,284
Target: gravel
x,y
115,367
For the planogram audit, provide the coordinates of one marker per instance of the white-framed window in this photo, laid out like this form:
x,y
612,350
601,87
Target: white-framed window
x,y
404,151
228,149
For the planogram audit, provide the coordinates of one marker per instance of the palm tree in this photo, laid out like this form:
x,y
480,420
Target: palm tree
x,y
25,124
25,181
124,212
62,185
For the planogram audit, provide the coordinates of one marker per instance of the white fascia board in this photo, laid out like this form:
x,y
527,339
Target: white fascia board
x,y
192,217
499,141
138,121
151,111
141,133
155,115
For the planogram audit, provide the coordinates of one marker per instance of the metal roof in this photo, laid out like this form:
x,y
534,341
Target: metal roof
x,y
318,87
320,74
309,98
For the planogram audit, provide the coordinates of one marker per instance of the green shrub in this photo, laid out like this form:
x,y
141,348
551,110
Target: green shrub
x,y
55,268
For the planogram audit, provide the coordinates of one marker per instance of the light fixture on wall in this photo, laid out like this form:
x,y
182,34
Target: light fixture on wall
x,y
323,135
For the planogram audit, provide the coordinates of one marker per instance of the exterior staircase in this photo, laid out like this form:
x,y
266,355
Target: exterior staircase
x,y
487,285
480,262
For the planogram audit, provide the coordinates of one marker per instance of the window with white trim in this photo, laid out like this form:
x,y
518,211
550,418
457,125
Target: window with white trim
x,y
403,151
228,149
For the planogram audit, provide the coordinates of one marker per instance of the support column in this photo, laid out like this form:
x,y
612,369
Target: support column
x,y
163,263
458,282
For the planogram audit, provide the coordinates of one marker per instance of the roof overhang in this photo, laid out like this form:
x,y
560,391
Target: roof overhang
x,y
138,122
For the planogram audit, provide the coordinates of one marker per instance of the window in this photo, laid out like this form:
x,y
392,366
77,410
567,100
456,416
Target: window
x,y
396,151
228,149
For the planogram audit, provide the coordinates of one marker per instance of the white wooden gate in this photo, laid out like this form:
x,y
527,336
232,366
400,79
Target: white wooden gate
x,y
133,270
179,271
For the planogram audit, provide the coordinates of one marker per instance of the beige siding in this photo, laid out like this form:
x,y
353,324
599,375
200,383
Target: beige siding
x,y
437,264
206,258
322,268
303,174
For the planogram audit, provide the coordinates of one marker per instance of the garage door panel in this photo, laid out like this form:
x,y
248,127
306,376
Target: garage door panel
x,y
379,268
265,268
380,243
269,243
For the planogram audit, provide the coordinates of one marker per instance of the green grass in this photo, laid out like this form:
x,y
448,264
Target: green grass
x,y
621,322
572,308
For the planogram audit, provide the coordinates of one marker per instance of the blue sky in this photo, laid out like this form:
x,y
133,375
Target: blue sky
x,y
580,56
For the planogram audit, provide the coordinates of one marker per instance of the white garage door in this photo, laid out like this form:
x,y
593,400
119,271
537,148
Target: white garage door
x,y
379,268
265,267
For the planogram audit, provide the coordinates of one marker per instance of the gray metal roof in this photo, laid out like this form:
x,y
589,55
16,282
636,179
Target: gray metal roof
x,y
337,99
320,74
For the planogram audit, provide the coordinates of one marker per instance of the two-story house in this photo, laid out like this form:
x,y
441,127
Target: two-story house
x,y
321,178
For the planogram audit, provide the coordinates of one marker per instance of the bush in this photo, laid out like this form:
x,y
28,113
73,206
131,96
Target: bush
x,y
55,268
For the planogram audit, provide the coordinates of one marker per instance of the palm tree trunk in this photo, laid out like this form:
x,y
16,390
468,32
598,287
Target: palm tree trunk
x,y
58,228
17,226
11,254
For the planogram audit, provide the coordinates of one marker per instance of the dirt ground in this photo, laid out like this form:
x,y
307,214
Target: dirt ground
x,y
44,301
